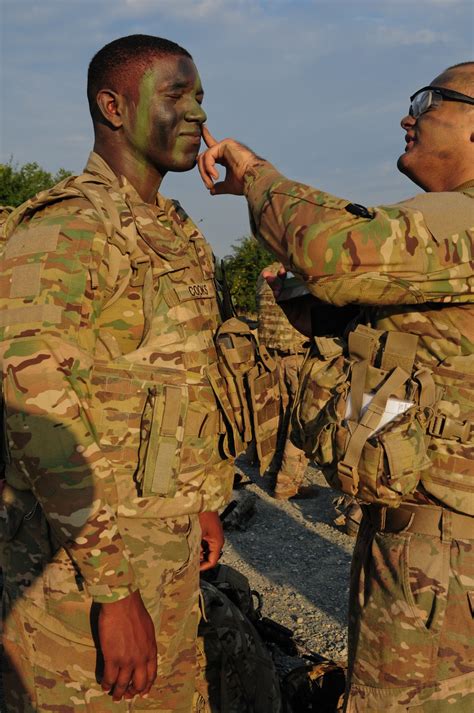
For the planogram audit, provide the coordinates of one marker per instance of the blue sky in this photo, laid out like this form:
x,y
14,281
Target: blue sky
x,y
316,86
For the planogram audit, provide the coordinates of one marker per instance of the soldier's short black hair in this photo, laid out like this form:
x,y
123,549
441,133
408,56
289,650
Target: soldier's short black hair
x,y
464,72
109,66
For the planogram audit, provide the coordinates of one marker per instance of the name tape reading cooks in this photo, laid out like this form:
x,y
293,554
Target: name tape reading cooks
x,y
198,290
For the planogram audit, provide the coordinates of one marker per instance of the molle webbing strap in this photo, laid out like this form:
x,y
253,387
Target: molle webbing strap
x,y
102,203
428,393
120,233
358,380
140,266
399,350
362,343
347,469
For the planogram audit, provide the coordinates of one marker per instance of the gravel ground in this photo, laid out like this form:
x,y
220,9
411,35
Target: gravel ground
x,y
299,561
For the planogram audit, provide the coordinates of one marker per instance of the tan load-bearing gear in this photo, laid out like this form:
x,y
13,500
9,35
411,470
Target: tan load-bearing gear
x,y
342,416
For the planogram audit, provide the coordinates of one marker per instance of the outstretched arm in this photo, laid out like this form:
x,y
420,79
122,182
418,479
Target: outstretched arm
x,y
345,253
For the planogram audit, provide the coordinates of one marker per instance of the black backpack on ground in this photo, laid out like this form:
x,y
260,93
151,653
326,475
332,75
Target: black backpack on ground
x,y
237,668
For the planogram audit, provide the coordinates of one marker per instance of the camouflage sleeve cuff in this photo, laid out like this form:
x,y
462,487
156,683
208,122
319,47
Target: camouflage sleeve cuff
x,y
258,180
103,594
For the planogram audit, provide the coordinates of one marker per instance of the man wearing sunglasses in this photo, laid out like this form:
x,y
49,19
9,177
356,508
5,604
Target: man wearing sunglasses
x,y
409,265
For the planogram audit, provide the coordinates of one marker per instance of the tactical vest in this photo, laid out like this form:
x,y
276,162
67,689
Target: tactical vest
x,y
155,397
379,420
274,329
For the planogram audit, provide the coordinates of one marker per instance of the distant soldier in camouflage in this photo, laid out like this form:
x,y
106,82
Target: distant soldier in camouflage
x,y
114,471
285,344
411,630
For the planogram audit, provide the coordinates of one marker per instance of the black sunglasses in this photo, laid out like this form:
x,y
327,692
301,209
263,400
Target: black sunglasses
x,y
428,97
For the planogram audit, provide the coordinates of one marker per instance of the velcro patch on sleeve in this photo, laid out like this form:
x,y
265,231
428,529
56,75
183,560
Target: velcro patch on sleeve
x,y
445,214
25,280
40,239
32,315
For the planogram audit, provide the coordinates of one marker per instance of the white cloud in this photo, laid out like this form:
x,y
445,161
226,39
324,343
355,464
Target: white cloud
x,y
392,4
439,3
403,37
221,10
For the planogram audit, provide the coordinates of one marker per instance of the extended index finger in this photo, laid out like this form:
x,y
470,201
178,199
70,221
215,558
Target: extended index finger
x,y
209,140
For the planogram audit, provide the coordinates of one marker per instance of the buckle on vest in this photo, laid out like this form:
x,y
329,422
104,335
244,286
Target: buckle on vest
x,y
442,426
140,267
117,240
328,347
349,477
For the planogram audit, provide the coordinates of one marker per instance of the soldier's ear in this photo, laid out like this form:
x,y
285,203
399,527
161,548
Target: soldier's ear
x,y
110,106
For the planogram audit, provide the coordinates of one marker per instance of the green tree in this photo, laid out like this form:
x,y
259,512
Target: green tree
x,y
243,267
18,183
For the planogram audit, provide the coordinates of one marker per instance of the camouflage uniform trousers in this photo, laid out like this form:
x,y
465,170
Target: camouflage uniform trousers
x,y
293,462
49,632
411,630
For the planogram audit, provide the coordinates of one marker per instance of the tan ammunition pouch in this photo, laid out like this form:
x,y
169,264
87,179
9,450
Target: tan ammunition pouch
x,y
450,477
245,382
336,427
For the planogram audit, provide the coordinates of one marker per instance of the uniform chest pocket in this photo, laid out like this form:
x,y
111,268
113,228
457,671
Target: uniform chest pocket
x,y
161,440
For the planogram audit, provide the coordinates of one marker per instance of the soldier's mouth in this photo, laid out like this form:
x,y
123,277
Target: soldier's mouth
x,y
195,135
410,140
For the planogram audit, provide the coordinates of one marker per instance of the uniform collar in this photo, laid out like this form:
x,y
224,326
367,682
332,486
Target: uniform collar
x,y
97,166
466,184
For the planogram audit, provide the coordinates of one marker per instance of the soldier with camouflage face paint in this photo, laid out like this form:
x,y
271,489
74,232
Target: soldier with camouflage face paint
x,y
114,471
410,265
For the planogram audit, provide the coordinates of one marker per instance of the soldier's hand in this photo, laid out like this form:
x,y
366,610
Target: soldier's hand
x,y
229,153
127,641
297,311
275,282
212,539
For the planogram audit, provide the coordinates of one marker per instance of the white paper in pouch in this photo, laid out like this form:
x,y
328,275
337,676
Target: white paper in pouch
x,y
393,408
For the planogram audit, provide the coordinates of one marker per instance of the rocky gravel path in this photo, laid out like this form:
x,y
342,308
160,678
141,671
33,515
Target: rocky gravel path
x,y
295,556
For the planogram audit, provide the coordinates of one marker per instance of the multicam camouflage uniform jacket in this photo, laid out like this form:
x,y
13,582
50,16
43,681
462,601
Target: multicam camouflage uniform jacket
x,y
108,315
274,330
412,263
